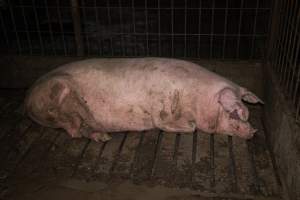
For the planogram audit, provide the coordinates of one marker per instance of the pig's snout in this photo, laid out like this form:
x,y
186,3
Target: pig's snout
x,y
246,131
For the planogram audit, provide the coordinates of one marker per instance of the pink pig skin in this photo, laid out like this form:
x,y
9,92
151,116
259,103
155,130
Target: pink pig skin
x,y
96,96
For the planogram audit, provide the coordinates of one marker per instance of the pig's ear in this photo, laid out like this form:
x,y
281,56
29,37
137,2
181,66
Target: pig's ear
x,y
59,91
231,104
250,97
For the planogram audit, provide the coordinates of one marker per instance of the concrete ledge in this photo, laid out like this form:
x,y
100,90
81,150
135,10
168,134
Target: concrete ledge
x,y
283,134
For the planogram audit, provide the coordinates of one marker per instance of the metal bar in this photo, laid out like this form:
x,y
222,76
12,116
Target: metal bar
x,y
38,27
153,8
298,110
172,27
273,31
288,33
176,148
50,27
14,27
117,157
99,31
293,55
166,34
61,27
26,27
185,28
109,24
225,30
156,153
136,155
212,161
283,35
199,31
98,158
147,33
85,19
77,26
254,29
290,50
250,147
212,30
80,156
3,28
122,28
159,31
194,154
134,28
279,35
232,166
239,32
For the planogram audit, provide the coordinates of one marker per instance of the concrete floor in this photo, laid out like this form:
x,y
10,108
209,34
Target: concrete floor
x,y
42,163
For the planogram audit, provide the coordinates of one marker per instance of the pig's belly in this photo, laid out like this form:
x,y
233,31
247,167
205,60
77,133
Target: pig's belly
x,y
120,114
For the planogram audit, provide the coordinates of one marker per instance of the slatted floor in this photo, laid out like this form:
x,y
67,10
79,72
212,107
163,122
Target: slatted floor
x,y
216,165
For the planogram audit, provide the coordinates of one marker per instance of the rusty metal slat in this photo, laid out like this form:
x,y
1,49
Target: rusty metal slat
x,y
232,169
136,155
156,153
256,185
212,161
117,156
80,156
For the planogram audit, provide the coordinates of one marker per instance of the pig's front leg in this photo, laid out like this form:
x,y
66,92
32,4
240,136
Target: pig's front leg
x,y
97,136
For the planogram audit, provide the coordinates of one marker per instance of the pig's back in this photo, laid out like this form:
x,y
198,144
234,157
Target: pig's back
x,y
121,93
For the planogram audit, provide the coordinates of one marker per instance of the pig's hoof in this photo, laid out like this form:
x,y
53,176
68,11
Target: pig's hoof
x,y
104,137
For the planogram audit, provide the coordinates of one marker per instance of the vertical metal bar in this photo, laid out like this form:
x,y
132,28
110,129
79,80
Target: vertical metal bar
x,y
176,148
3,28
118,153
298,108
147,33
225,30
172,27
99,31
110,25
194,154
61,27
136,155
212,29
291,51
122,28
185,27
283,37
283,62
79,157
156,153
199,30
14,27
159,31
212,161
275,19
239,31
295,67
274,50
26,27
232,165
50,27
38,27
77,27
85,33
134,28
254,29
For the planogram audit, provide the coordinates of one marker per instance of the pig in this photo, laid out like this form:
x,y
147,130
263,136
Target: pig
x,y
96,97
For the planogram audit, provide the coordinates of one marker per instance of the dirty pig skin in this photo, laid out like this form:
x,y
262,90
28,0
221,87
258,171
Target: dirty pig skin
x,y
95,97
